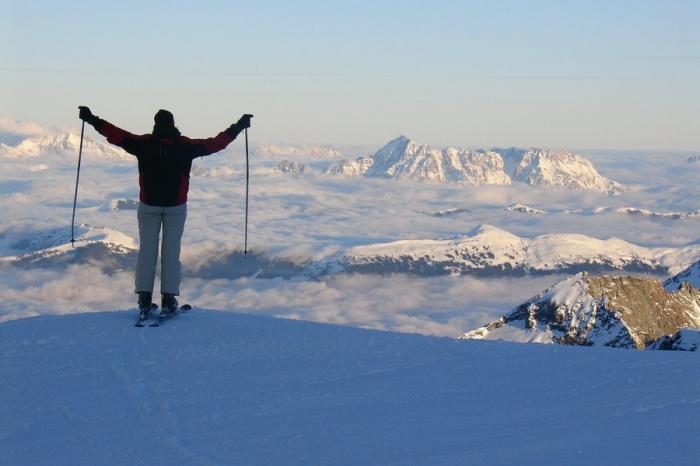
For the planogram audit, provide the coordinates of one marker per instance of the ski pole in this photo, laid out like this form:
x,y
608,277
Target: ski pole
x,y
247,184
77,179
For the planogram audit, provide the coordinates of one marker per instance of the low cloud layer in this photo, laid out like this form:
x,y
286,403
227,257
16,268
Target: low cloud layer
x,y
441,306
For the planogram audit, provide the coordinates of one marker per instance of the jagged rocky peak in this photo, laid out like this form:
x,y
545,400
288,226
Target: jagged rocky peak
x,y
562,169
622,312
403,157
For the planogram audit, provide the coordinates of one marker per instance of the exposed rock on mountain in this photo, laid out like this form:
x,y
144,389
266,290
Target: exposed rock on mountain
x,y
622,312
686,339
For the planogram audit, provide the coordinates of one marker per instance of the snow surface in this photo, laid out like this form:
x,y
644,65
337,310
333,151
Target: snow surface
x,y
220,388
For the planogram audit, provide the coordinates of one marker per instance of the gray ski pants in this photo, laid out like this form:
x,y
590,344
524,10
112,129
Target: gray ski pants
x,y
150,220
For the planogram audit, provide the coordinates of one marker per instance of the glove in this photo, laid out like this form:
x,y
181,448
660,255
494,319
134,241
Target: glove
x,y
86,115
244,121
236,128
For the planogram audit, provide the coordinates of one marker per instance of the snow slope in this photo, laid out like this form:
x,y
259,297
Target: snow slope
x,y
218,388
690,275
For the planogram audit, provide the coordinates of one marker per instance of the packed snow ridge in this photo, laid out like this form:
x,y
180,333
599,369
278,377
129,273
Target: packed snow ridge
x,y
403,157
621,312
491,251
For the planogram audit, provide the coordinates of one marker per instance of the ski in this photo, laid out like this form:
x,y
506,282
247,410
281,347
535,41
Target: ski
x,y
143,317
169,315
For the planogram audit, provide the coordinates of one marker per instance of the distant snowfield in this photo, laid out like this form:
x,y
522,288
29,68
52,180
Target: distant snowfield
x,y
310,216
224,388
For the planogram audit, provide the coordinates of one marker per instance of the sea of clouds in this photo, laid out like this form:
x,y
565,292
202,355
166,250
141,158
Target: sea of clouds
x,y
306,217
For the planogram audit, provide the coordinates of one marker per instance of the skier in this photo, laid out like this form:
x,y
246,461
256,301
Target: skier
x,y
165,159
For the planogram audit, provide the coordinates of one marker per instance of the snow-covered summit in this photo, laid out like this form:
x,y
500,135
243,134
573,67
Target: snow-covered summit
x,y
403,157
623,312
62,144
560,168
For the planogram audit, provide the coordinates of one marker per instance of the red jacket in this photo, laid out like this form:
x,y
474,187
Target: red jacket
x,y
164,163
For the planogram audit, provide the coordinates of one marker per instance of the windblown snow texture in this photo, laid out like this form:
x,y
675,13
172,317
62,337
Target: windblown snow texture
x,y
221,388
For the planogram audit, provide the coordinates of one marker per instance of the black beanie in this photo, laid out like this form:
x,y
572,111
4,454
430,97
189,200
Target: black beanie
x,y
164,118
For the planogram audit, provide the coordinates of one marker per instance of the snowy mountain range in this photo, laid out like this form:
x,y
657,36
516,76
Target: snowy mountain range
x,y
486,251
403,157
63,144
621,312
491,251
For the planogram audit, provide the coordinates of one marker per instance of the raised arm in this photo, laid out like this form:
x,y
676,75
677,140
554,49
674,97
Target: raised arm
x,y
131,143
202,147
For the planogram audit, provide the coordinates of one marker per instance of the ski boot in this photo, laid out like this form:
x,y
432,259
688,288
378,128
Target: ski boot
x,y
168,306
145,306
144,303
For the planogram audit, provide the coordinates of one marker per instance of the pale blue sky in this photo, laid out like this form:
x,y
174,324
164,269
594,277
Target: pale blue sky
x,y
583,74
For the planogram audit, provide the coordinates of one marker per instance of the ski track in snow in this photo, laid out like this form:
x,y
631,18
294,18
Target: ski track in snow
x,y
223,388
